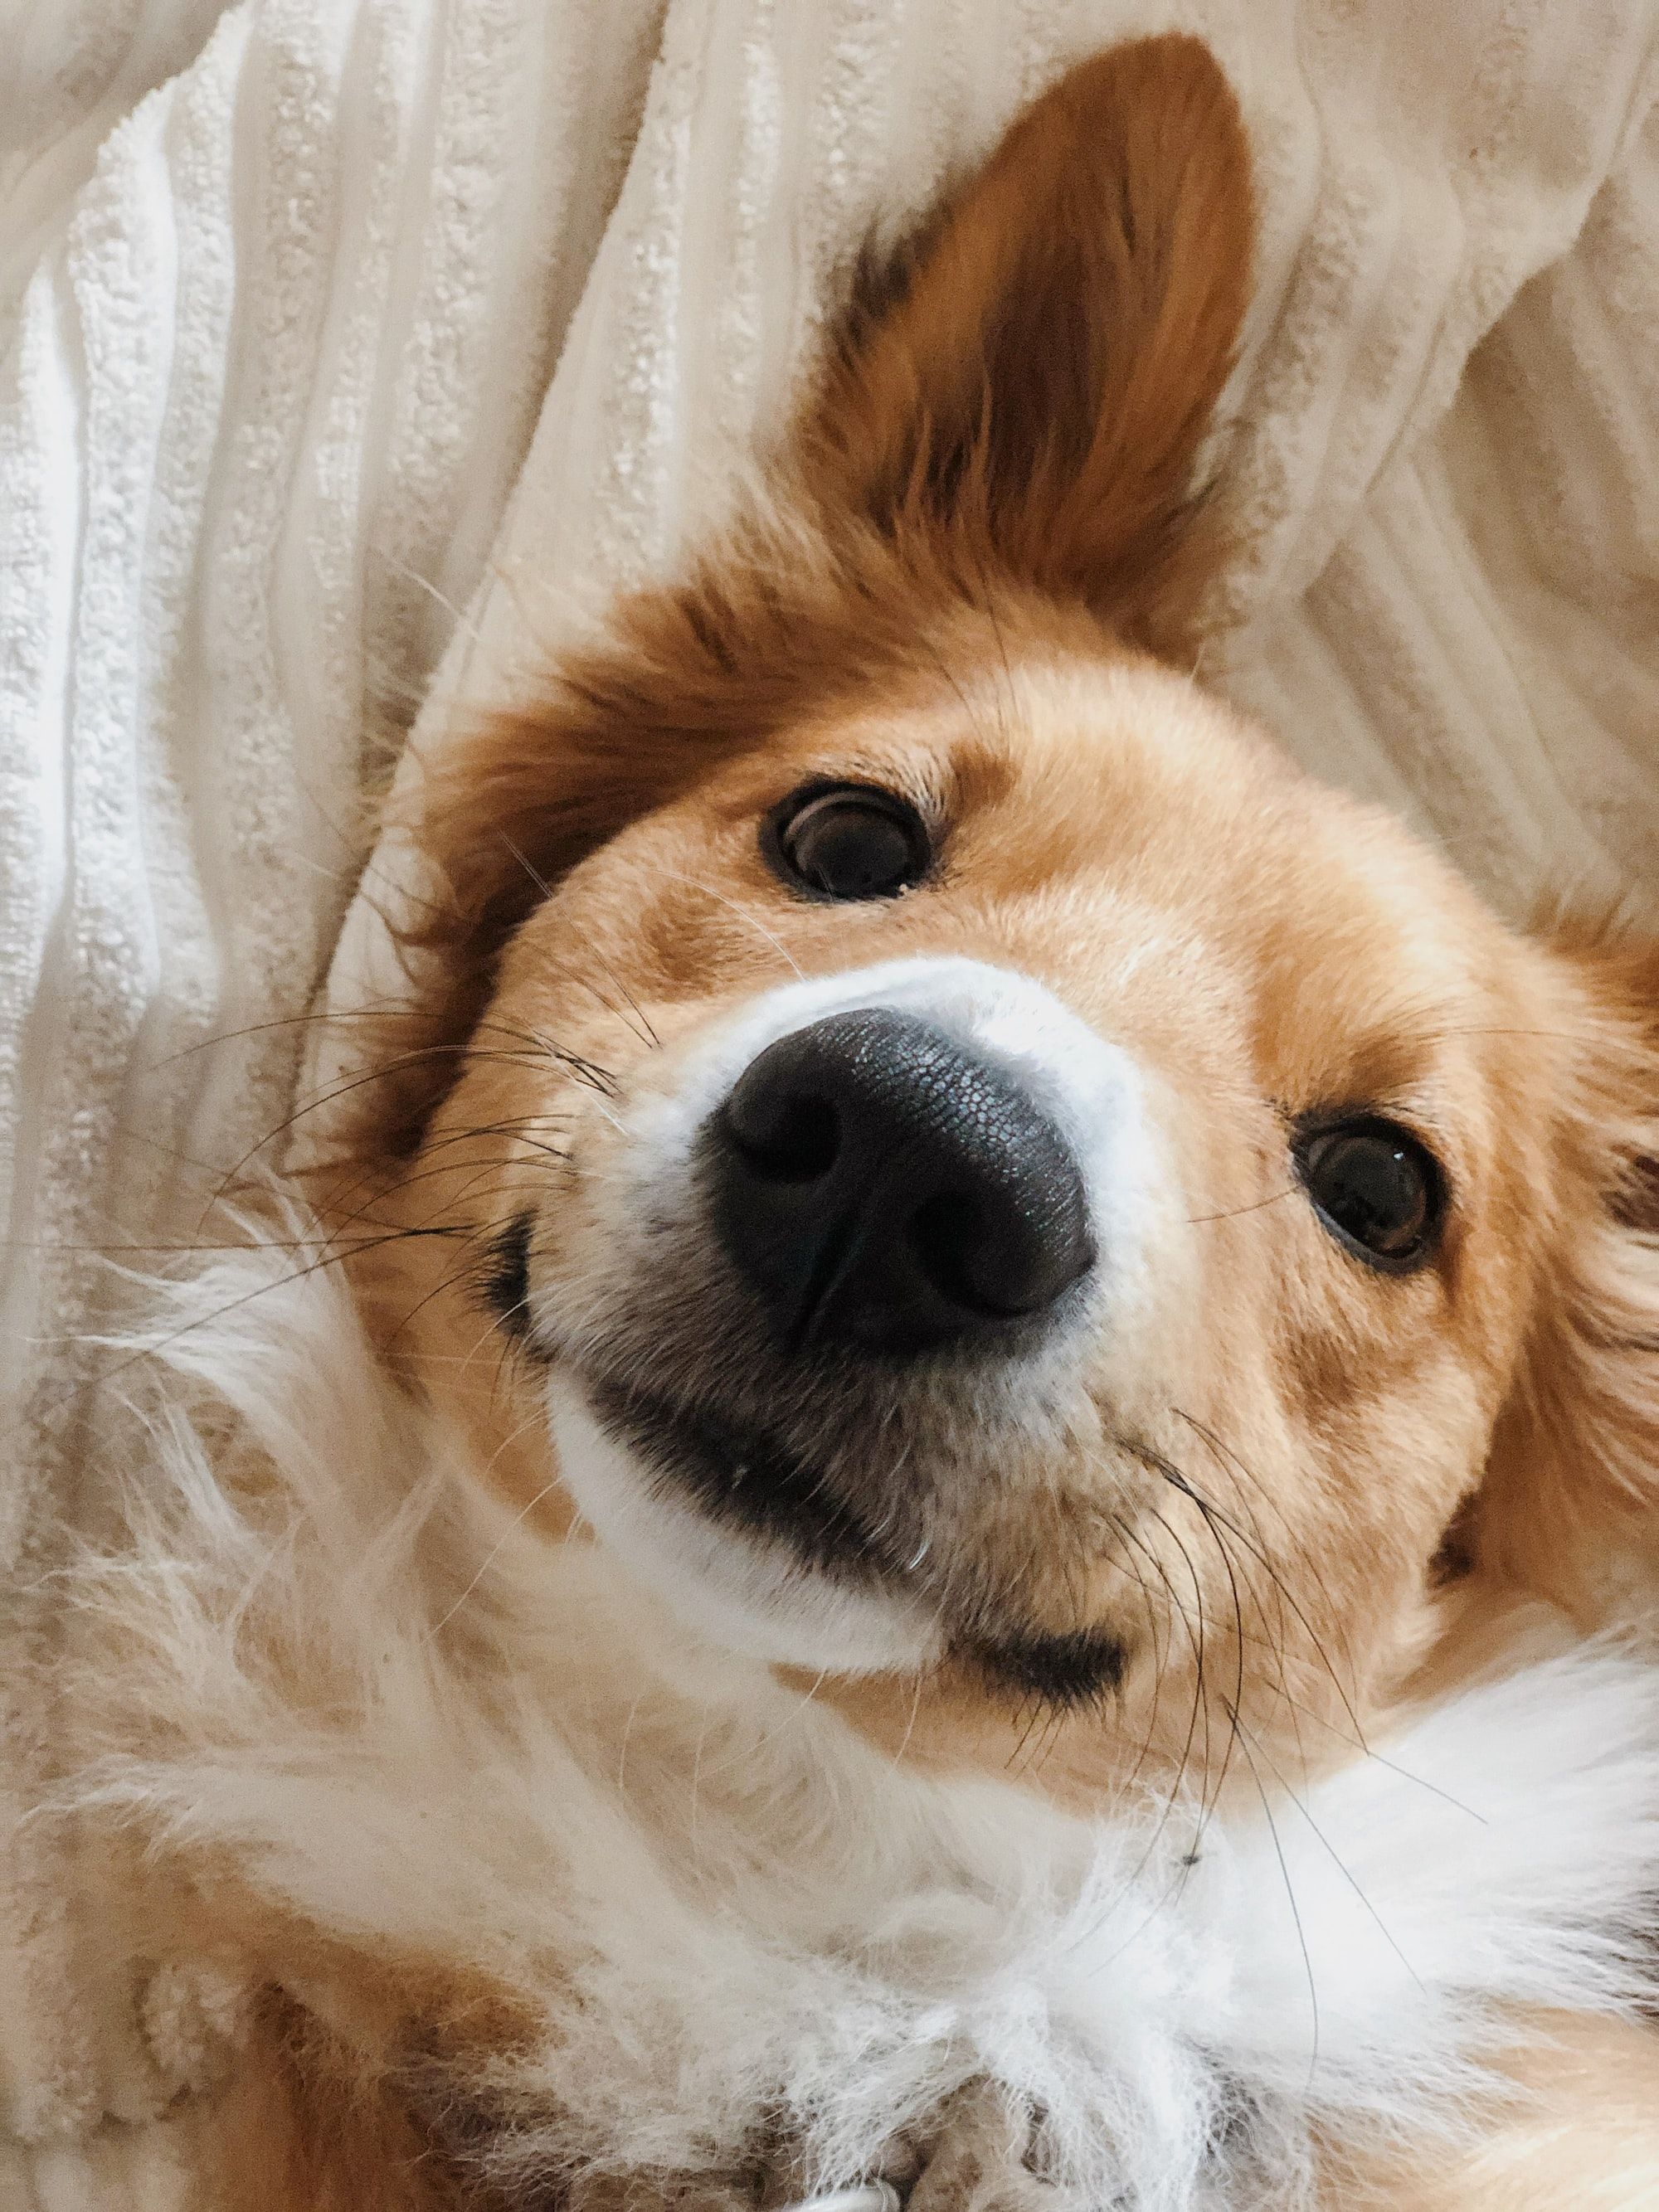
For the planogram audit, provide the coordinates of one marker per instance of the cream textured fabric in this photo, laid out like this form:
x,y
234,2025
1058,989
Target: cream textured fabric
x,y
276,344
265,383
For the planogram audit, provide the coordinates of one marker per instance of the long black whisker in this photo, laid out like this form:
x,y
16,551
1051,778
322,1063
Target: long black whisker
x,y
345,1089
516,1127
1184,1482
1174,1792
1330,1850
1256,1206
1296,1910
1238,1636
1200,1688
1267,1642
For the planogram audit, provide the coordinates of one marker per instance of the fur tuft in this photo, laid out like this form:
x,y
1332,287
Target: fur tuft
x,y
424,1752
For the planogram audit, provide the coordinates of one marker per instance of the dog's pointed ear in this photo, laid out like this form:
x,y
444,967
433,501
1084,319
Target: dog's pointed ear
x,y
1027,386
1025,392
1569,1505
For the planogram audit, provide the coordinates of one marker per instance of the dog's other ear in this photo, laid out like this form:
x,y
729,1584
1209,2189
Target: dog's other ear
x,y
1570,1506
1025,388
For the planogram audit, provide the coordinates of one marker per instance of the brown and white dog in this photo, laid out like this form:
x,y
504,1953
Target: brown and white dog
x,y
994,1389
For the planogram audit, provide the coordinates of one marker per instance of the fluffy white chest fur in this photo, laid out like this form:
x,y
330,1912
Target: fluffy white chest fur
x,y
415,1724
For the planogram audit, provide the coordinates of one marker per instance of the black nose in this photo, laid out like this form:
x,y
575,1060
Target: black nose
x,y
880,1183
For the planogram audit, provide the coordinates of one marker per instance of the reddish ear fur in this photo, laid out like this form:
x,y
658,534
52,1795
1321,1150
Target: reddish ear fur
x,y
1015,409
1570,1503
1031,383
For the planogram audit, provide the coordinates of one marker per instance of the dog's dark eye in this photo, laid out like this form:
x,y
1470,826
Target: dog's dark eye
x,y
1375,1189
846,841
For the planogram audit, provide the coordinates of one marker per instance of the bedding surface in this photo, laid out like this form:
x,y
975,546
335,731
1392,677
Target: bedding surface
x,y
350,350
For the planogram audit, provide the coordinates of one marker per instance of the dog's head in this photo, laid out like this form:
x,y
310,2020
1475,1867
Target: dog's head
x,y
962,1165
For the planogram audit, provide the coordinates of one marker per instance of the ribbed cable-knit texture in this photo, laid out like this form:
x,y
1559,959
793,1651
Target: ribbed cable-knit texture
x,y
282,285
264,385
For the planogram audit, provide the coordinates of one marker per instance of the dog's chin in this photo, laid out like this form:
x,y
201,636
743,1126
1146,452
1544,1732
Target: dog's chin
x,y
794,1594
751,1550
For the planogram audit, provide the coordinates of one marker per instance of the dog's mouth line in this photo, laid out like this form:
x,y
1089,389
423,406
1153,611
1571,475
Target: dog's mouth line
x,y
746,1479
758,1487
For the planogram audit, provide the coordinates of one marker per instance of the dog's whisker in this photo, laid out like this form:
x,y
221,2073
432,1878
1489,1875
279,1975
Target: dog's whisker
x,y
1275,1645
1290,1899
1254,1205
750,921
910,1724
1212,1514
1225,1455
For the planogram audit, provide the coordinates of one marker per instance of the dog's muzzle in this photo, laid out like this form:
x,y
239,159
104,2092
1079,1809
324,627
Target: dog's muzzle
x,y
868,1235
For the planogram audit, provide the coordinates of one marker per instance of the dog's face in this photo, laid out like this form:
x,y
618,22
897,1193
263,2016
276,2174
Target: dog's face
x,y
984,1179
1016,1174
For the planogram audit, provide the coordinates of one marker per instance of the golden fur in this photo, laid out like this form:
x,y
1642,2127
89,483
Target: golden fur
x,y
975,569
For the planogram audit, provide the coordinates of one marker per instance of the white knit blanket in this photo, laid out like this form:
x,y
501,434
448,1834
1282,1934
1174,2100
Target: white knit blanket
x,y
346,341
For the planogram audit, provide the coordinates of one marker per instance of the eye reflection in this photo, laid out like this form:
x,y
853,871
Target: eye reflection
x,y
1375,1188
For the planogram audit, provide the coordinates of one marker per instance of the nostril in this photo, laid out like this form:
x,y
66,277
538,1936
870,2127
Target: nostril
x,y
786,1139
1001,1254
944,1232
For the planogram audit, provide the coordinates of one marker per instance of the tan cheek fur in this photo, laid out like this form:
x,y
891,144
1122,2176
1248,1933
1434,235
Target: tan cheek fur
x,y
1586,2137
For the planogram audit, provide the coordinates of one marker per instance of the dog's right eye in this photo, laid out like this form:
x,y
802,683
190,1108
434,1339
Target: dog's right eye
x,y
1375,1189
846,841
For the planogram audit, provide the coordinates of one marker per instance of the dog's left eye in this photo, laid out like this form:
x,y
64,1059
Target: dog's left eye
x,y
1377,1190
846,841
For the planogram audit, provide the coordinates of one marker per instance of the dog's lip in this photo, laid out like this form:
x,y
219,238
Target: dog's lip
x,y
742,1477
757,1487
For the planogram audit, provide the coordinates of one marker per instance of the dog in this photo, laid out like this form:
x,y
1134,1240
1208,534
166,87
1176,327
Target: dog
x,y
955,1480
